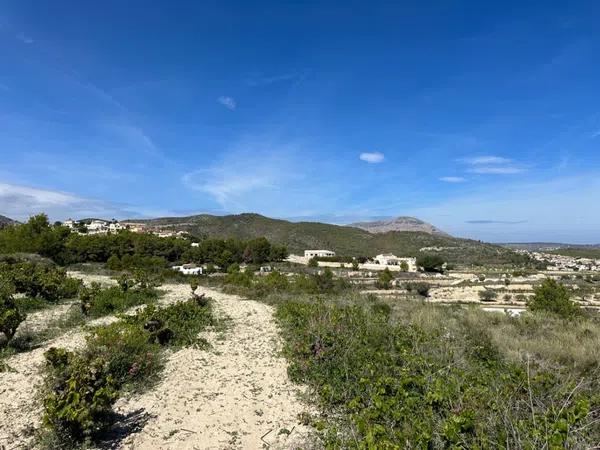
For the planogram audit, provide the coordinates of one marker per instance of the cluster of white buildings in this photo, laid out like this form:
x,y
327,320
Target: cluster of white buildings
x,y
318,253
98,226
565,263
95,226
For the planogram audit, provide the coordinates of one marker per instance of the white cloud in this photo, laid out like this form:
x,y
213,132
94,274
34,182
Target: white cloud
x,y
497,170
25,39
19,202
479,160
228,102
492,165
453,179
261,80
372,157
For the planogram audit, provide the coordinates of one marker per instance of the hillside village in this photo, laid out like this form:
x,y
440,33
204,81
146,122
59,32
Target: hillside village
x,y
99,226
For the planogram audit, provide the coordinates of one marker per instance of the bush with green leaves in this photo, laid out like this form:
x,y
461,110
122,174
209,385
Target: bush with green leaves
x,y
82,386
97,301
431,263
552,296
79,405
418,287
387,385
10,314
488,295
384,280
40,280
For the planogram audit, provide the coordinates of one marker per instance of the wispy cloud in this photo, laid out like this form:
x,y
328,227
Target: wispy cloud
x,y
25,39
492,165
492,222
228,102
262,80
497,170
453,179
20,202
479,160
372,157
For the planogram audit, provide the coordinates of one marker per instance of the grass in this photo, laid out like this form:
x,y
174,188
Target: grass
x,y
415,375
409,374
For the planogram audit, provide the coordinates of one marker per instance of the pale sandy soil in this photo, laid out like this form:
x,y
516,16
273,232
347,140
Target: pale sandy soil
x,y
235,395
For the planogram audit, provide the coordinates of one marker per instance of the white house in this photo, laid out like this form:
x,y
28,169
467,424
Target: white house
x,y
114,227
388,259
189,269
195,244
318,253
97,227
70,223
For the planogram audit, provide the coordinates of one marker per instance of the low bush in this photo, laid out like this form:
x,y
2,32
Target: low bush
x,y
384,280
429,382
10,314
553,297
97,301
83,392
420,288
81,387
487,295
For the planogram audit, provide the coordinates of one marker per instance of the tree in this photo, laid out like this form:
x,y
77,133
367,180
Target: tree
x,y
404,266
355,265
487,295
431,263
312,262
553,297
385,279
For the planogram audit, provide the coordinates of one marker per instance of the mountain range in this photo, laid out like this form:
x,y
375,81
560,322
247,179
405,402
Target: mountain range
x,y
402,223
344,240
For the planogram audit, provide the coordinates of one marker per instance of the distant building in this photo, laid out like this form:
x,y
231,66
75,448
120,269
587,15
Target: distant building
x,y
189,269
318,253
115,227
388,259
70,223
195,244
97,227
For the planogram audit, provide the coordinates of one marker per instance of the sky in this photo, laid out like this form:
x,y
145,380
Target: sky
x,y
482,118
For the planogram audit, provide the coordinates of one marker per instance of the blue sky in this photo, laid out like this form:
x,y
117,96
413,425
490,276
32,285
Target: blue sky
x,y
482,118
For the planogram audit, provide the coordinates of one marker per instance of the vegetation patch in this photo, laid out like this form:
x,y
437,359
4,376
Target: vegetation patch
x,y
82,387
431,377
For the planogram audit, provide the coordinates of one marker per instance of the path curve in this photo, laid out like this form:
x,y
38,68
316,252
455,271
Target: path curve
x,y
236,395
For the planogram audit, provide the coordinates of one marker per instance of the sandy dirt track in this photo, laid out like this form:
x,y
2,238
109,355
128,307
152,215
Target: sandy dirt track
x,y
233,395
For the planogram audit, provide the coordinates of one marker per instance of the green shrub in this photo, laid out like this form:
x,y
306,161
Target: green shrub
x,y
427,383
431,263
385,279
553,297
83,392
420,288
313,262
97,301
10,315
488,295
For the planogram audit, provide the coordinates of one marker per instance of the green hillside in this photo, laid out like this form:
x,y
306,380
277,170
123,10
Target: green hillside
x,y
344,240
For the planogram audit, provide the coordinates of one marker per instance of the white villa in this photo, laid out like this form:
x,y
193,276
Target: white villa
x,y
189,269
318,253
388,259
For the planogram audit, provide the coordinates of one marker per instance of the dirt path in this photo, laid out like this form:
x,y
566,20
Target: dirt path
x,y
236,395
